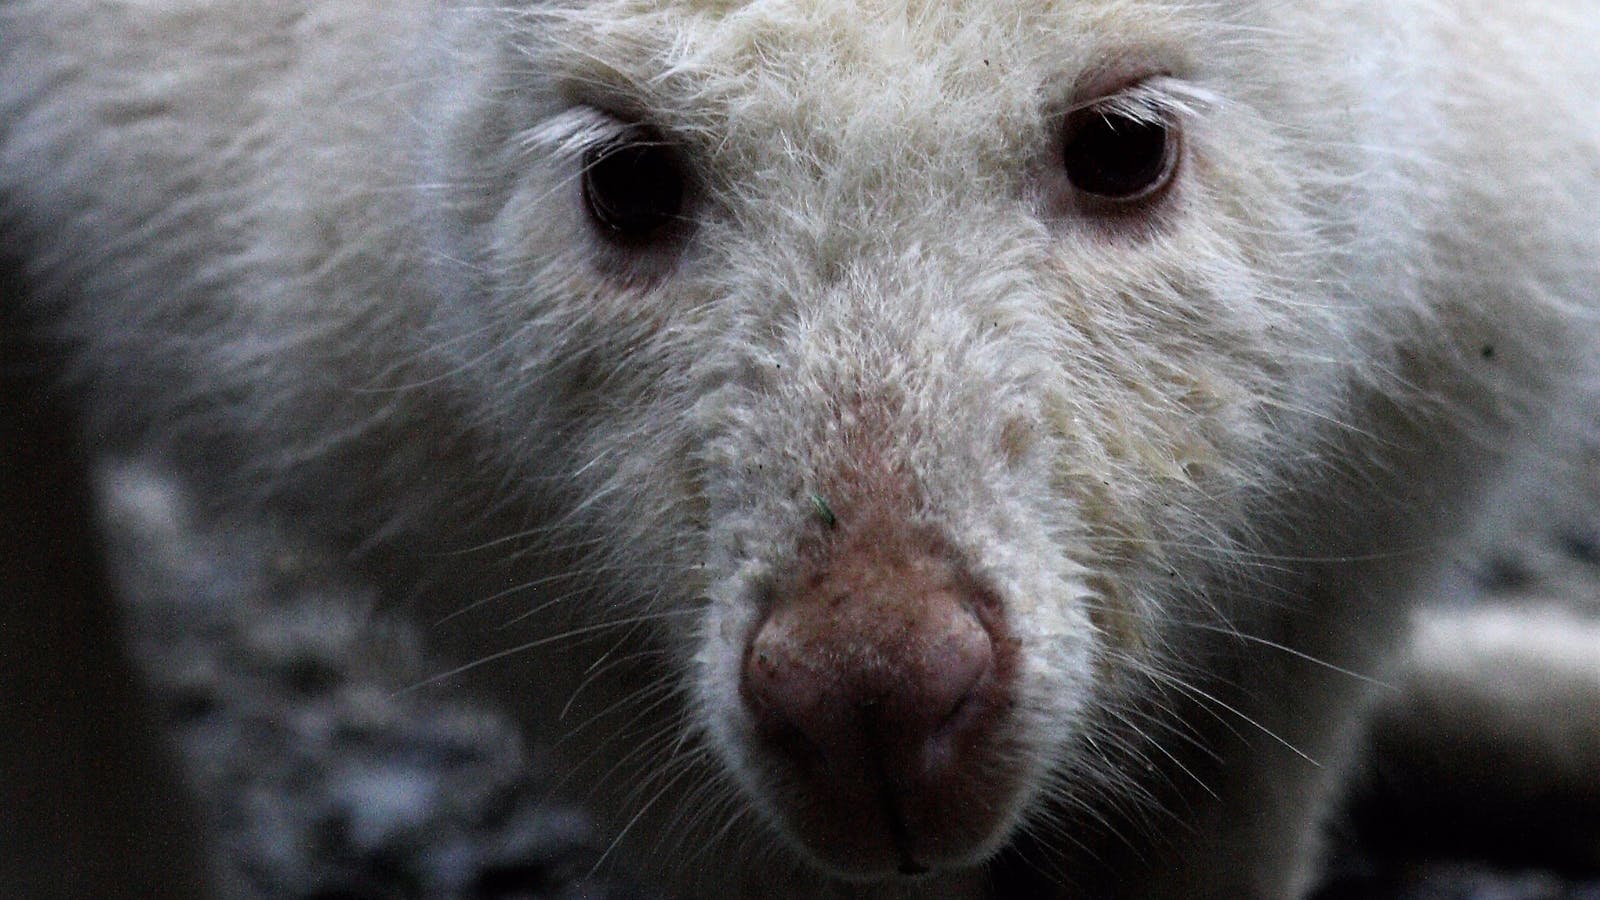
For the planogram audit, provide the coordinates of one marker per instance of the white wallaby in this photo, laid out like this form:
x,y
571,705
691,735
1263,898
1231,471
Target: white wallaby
x,y
890,430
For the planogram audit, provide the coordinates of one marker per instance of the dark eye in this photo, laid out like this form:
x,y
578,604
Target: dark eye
x,y
633,186
1113,155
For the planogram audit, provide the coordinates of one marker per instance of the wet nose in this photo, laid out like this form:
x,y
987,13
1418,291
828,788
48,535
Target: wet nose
x,y
875,681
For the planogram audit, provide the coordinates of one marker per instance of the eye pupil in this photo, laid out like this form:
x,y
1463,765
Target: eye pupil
x,y
632,186
1116,156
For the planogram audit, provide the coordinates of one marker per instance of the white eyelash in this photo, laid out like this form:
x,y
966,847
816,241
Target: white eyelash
x,y
1155,100
572,133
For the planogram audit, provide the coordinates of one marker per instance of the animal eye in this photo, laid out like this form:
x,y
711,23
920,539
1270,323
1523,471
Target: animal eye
x,y
633,186
1115,155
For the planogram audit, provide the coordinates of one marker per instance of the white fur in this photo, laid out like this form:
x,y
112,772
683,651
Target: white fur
x,y
333,256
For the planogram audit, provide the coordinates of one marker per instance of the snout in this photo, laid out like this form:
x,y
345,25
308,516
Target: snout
x,y
880,682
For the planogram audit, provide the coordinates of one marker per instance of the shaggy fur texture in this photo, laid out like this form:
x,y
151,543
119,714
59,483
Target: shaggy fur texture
x,y
334,258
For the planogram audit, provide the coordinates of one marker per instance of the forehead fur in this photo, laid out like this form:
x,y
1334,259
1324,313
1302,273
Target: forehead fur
x,y
712,65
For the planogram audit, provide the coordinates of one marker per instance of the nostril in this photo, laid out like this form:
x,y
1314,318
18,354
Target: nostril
x,y
963,706
771,675
782,689
952,698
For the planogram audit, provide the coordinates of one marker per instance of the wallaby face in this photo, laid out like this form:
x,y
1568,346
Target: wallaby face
x,y
914,367
889,429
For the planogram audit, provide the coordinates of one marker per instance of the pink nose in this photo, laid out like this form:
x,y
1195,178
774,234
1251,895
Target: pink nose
x,y
878,687
883,676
